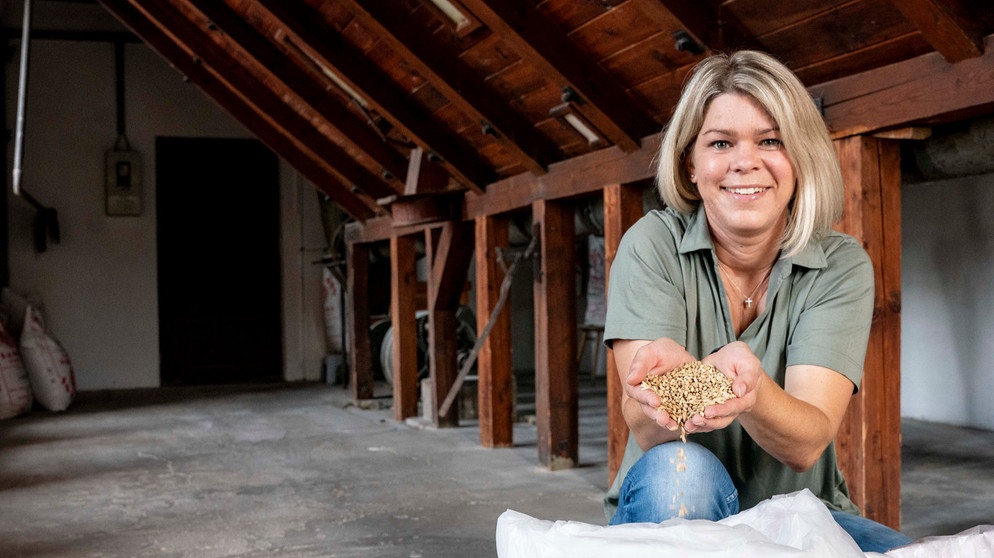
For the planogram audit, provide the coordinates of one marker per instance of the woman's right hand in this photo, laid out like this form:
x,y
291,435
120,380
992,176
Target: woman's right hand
x,y
637,359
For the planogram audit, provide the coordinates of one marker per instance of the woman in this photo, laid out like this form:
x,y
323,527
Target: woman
x,y
742,271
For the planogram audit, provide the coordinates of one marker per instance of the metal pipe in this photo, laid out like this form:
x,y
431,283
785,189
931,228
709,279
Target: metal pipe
x,y
22,90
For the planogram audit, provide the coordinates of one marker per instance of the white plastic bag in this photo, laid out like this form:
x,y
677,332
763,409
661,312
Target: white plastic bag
x,y
976,542
795,525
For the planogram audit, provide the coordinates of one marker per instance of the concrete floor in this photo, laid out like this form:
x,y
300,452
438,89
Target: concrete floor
x,y
300,471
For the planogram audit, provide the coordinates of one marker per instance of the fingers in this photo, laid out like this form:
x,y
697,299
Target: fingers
x,y
737,361
657,357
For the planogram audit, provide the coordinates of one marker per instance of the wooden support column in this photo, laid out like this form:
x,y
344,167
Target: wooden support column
x,y
555,335
357,316
869,441
403,292
622,207
449,249
493,363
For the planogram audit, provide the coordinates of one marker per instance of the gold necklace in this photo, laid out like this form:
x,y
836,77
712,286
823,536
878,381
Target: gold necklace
x,y
747,300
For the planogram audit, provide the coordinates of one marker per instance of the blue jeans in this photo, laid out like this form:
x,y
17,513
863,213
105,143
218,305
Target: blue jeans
x,y
654,491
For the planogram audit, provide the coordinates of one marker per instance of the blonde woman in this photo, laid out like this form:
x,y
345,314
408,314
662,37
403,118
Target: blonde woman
x,y
742,270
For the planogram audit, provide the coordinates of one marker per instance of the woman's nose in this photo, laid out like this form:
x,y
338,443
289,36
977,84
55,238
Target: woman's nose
x,y
746,157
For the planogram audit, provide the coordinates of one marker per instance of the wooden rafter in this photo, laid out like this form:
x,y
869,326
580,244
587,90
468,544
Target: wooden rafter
x,y
307,87
441,66
381,92
226,33
944,27
714,29
257,120
542,44
240,79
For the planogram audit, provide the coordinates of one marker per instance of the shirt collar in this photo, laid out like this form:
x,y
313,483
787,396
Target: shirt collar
x,y
698,237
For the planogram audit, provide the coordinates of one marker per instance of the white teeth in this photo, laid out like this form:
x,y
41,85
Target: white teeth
x,y
745,191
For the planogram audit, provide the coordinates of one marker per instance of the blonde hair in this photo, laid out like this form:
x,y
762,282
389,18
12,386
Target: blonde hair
x,y
818,195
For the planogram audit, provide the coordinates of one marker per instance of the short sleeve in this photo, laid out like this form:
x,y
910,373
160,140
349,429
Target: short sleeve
x,y
646,295
832,327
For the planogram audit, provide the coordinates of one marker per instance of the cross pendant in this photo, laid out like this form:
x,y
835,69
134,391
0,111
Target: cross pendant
x,y
747,302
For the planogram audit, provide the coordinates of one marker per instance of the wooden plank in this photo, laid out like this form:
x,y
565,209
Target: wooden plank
x,y
256,119
622,208
358,322
495,374
818,38
556,389
869,441
873,57
944,27
541,43
403,292
714,29
922,89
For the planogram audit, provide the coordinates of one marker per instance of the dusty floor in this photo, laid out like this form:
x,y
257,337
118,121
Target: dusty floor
x,y
299,471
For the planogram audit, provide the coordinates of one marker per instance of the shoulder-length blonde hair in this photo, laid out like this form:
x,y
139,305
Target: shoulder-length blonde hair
x,y
817,202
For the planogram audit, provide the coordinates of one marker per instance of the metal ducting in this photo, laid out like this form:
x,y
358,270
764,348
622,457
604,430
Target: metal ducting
x,y
962,149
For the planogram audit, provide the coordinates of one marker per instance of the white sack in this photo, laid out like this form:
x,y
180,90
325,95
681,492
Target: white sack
x,y
47,363
15,387
795,525
976,542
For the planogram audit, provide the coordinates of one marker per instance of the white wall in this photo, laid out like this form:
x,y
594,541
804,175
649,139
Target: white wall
x,y
947,282
99,284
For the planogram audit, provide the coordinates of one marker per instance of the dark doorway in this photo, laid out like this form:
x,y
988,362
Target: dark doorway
x,y
217,211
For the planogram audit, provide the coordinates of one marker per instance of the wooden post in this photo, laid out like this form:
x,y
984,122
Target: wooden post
x,y
403,292
357,316
869,441
622,207
448,251
555,335
493,364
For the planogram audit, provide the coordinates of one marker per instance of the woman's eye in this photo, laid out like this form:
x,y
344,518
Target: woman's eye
x,y
771,142
721,144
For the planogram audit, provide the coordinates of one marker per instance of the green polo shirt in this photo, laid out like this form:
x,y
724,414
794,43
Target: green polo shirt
x,y
819,305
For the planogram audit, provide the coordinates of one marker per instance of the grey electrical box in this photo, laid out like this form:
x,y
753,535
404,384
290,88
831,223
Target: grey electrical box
x,y
124,183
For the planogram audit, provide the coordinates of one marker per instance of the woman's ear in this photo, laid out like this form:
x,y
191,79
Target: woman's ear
x,y
689,165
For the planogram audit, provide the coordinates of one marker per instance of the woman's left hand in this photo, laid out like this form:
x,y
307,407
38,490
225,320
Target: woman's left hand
x,y
737,361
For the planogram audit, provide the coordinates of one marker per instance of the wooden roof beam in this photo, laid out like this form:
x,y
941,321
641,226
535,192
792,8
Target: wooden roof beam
x,y
541,43
256,120
231,70
925,89
236,35
382,93
355,130
946,26
454,78
714,29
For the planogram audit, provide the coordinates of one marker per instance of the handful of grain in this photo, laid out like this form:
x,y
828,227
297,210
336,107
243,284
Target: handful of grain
x,y
687,390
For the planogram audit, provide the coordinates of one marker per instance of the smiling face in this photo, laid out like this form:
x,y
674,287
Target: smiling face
x,y
741,169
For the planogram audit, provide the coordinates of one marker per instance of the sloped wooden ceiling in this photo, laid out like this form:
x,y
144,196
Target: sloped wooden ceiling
x,y
377,101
